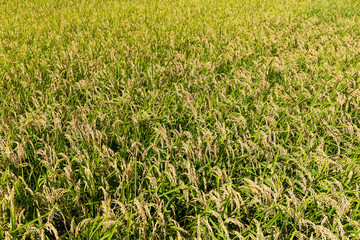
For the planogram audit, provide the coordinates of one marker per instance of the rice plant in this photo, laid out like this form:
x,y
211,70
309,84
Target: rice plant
x,y
174,119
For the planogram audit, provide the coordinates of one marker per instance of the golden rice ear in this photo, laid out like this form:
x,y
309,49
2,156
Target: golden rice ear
x,y
48,226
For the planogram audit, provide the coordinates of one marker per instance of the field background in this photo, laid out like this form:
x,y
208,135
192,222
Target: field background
x,y
179,119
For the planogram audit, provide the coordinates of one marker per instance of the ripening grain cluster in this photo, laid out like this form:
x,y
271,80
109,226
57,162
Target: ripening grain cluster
x,y
179,119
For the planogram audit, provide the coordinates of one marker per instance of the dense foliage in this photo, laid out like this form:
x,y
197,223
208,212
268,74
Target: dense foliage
x,y
177,119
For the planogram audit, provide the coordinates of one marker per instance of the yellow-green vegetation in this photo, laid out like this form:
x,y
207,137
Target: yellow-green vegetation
x,y
179,119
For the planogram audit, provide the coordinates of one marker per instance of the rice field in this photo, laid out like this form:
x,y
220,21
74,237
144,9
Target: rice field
x,y
179,119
